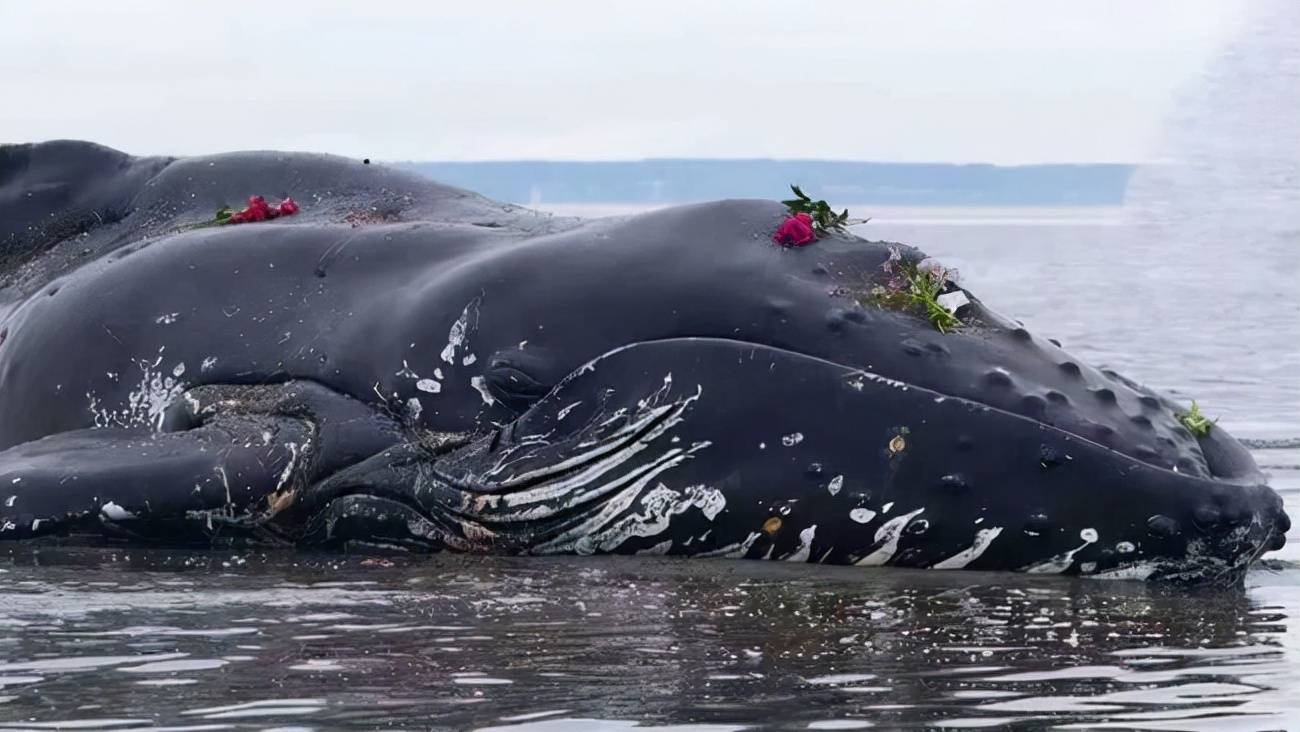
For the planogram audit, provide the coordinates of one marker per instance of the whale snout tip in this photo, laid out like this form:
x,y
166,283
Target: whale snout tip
x,y
1281,526
1276,542
1267,517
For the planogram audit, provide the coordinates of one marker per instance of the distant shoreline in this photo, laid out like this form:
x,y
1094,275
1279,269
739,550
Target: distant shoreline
x,y
929,215
664,182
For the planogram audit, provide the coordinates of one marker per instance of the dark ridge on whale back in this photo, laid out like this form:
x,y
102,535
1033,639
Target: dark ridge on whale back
x,y
54,191
66,202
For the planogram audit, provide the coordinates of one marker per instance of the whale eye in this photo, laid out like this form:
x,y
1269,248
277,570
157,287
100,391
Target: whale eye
x,y
518,379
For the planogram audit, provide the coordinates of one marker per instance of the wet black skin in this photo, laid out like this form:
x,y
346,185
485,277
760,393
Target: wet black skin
x,y
275,382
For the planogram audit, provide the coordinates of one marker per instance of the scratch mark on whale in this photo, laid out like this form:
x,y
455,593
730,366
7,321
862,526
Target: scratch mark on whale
x,y
805,545
1061,562
887,536
983,538
458,335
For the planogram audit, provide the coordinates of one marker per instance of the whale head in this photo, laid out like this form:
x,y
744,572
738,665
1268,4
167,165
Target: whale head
x,y
674,382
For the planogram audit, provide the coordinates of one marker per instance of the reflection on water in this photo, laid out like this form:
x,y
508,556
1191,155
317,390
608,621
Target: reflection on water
x,y
105,638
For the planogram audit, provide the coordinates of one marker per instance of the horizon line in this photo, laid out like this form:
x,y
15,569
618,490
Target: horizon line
x,y
623,161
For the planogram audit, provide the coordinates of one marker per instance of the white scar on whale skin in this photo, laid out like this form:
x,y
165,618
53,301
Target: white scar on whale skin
x,y
983,538
480,385
856,380
606,444
611,525
835,485
569,486
889,534
1062,562
862,515
660,504
732,551
426,385
146,405
458,336
658,550
805,545
581,538
112,512
288,467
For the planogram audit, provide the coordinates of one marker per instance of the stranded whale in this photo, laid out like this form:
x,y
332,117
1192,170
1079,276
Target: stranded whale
x,y
408,365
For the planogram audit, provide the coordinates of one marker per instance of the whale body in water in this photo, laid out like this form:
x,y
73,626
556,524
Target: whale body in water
x,y
405,365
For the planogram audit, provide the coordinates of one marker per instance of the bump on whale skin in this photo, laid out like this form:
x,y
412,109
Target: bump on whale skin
x,y
446,355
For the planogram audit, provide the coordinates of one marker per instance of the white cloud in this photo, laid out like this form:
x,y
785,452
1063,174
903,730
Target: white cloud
x,y
1010,81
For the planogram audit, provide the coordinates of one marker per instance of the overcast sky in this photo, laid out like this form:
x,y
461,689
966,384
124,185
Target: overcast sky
x,y
1010,81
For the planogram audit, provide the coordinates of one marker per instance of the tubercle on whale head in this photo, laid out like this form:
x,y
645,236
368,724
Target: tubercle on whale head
x,y
998,361
1035,378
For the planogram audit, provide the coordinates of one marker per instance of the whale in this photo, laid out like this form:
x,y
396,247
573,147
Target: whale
x,y
408,366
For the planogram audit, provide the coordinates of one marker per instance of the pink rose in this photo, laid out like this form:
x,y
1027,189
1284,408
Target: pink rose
x,y
288,207
795,231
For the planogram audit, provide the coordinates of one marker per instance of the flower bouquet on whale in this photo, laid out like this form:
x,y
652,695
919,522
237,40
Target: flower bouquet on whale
x,y
923,285
256,210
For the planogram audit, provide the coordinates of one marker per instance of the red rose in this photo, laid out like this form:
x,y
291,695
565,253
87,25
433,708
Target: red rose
x,y
795,231
259,210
